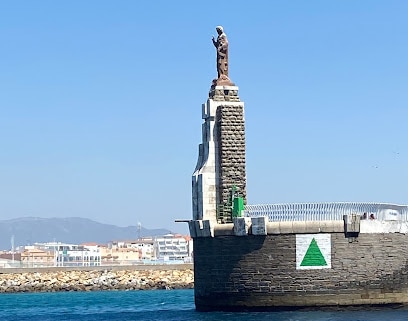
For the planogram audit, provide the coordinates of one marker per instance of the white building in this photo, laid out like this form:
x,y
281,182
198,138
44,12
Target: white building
x,y
145,247
172,248
66,254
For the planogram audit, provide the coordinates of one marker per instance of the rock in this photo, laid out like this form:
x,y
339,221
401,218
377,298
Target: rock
x,y
95,280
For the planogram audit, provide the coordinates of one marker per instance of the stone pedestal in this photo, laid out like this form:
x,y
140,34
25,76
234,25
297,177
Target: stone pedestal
x,y
221,159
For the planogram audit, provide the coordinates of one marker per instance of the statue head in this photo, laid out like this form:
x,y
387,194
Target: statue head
x,y
219,29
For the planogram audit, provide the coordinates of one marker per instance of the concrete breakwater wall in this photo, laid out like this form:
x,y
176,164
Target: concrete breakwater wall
x,y
97,279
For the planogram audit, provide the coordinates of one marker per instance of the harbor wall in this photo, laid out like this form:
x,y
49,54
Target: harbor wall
x,y
263,272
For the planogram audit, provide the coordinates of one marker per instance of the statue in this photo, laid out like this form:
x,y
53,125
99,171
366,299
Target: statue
x,y
221,44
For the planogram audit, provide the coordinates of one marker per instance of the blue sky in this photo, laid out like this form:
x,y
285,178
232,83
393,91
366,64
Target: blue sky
x,y
100,103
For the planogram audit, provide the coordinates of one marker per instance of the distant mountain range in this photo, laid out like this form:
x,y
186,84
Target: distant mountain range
x,y
76,230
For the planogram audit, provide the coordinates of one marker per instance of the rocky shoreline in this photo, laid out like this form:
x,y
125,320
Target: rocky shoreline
x,y
97,280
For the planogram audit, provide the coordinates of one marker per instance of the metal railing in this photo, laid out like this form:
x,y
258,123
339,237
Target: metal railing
x,y
327,211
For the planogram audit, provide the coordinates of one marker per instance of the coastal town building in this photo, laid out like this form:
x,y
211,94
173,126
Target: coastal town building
x,y
10,260
34,257
81,255
128,252
65,254
145,246
166,249
172,248
146,249
119,255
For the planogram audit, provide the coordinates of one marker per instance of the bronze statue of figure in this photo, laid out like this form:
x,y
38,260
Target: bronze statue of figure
x,y
221,44
222,51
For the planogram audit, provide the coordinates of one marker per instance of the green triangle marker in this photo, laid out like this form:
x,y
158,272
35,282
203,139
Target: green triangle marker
x,y
313,256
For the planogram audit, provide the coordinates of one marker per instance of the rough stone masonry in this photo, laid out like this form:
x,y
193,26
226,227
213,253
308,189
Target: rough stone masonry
x,y
260,272
221,160
231,137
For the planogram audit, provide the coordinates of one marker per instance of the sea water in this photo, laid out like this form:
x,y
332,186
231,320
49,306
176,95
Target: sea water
x,y
158,305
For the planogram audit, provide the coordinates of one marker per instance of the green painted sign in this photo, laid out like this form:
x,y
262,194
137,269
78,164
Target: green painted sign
x,y
313,256
313,251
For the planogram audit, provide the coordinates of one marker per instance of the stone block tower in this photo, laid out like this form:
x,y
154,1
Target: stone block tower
x,y
221,161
